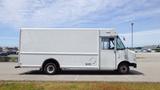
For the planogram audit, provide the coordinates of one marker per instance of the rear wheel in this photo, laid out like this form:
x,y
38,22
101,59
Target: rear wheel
x,y
50,68
123,68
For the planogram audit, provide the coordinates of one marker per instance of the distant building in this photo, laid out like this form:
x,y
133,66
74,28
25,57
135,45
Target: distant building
x,y
150,47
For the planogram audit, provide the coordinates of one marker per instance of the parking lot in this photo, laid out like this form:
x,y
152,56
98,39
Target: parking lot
x,y
147,71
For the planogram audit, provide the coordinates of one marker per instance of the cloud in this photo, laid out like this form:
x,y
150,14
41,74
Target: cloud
x,y
80,13
141,38
46,12
62,13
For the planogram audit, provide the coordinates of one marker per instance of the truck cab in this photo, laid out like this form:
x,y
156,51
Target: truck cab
x,y
114,55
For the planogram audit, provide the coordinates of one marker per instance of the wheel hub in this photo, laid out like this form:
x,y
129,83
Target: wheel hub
x,y
123,69
50,69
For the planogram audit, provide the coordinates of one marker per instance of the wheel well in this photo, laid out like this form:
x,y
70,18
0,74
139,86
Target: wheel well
x,y
51,60
124,62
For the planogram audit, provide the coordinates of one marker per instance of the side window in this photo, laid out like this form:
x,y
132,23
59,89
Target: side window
x,y
104,43
107,43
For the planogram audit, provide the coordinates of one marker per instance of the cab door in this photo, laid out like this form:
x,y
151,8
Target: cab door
x,y
107,53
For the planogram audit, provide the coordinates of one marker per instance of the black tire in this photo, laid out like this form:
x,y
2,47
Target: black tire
x,y
123,68
50,68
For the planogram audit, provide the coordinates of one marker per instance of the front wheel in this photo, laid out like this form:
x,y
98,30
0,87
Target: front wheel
x,y
123,68
50,68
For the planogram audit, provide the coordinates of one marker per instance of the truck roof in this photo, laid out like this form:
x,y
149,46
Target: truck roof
x,y
68,29
103,31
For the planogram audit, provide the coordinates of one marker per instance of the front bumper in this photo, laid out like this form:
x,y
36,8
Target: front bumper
x,y
133,65
17,67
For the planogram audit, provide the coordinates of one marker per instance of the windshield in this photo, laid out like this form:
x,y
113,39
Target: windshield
x,y
120,44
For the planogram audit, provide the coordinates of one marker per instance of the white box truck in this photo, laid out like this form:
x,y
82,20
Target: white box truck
x,y
53,49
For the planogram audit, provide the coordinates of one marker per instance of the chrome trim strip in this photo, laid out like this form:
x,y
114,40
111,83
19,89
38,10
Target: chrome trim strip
x,y
59,53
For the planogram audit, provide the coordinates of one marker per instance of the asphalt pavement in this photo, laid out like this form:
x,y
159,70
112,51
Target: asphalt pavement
x,y
146,71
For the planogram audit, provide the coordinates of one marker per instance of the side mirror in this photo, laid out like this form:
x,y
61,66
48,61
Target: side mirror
x,y
124,39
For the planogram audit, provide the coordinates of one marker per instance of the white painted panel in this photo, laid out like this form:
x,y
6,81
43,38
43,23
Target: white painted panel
x,y
120,56
65,61
70,47
107,60
59,41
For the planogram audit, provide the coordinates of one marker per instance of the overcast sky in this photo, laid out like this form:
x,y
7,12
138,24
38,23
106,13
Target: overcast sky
x,y
117,14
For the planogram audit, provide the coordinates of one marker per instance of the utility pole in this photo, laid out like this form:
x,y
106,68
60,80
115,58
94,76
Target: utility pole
x,y
132,34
